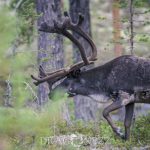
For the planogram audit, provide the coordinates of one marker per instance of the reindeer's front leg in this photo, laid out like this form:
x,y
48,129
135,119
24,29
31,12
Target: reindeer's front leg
x,y
114,106
124,99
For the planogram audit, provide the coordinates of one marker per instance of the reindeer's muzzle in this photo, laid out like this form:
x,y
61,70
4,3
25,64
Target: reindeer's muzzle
x,y
71,93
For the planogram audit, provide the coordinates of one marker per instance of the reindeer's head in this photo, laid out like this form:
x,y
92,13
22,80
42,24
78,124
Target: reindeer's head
x,y
71,75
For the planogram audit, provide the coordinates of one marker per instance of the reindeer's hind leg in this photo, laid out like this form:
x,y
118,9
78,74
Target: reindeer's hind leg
x,y
128,119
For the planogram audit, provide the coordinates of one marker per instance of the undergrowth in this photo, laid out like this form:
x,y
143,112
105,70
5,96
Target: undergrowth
x,y
24,128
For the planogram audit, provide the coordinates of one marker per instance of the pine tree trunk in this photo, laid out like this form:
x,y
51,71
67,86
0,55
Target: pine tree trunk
x,y
85,108
117,27
50,46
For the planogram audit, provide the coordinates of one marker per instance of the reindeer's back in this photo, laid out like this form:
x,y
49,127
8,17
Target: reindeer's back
x,y
128,72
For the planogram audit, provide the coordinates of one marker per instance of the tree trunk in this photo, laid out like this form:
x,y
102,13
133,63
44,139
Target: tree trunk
x,y
85,108
117,27
50,46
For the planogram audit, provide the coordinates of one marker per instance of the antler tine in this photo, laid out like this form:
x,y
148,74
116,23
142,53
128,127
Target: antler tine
x,y
74,40
93,56
68,21
42,73
76,28
68,25
59,74
80,20
60,29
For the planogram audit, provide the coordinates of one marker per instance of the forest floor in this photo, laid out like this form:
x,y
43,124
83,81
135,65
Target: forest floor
x,y
25,129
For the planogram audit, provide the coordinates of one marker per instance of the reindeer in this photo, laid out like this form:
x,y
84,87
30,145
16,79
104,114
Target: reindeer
x,y
116,79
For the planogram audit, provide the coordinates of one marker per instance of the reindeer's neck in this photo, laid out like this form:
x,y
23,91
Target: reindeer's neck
x,y
94,78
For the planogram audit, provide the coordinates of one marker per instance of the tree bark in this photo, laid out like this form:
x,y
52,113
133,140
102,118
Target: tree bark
x,y
50,46
85,108
117,27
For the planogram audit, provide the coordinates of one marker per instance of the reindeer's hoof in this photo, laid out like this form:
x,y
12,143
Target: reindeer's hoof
x,y
120,133
126,137
123,137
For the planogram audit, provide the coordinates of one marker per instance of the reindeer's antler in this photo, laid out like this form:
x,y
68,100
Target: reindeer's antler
x,y
77,28
61,28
